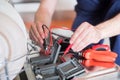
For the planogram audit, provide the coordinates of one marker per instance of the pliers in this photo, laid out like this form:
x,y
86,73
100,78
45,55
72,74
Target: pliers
x,y
98,52
48,43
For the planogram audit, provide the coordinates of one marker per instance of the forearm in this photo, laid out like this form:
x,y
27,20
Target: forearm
x,y
110,27
45,11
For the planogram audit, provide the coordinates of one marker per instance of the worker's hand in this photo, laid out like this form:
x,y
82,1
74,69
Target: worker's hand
x,y
37,34
84,35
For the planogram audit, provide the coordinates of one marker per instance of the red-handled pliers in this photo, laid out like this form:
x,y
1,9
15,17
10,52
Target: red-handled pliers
x,y
100,53
89,63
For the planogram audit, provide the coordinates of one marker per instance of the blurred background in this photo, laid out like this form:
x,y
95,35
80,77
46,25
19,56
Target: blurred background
x,y
63,16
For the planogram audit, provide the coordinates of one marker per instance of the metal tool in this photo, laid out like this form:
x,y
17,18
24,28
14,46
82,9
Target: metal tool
x,y
100,53
97,52
48,43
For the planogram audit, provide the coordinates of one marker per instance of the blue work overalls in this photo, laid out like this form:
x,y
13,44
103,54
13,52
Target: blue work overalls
x,y
95,12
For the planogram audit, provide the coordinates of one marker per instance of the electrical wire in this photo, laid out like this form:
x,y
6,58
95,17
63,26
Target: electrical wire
x,y
48,41
8,73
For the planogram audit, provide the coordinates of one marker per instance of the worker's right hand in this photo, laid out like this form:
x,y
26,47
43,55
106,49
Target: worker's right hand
x,y
37,34
85,35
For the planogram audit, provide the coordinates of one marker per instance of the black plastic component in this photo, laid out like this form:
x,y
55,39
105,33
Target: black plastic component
x,y
47,59
55,52
64,44
48,72
70,69
40,60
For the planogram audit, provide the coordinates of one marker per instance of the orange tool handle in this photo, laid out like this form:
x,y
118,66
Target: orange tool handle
x,y
89,63
106,56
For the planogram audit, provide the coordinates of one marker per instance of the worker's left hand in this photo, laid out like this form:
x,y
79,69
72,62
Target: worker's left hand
x,y
84,35
37,34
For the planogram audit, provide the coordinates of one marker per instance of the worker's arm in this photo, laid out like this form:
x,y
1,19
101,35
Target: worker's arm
x,y
87,33
42,16
45,11
110,27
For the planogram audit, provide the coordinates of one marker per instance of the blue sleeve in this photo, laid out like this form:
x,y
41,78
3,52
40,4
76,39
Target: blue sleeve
x,y
91,11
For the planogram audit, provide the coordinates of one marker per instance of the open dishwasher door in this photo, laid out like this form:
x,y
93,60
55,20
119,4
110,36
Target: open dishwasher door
x,y
13,41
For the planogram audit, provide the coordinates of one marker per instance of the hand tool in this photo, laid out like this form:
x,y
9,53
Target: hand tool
x,y
100,53
89,63
48,43
97,52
